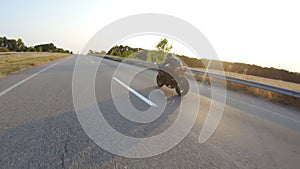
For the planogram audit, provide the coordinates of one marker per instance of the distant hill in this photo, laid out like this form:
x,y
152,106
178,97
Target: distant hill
x,y
242,68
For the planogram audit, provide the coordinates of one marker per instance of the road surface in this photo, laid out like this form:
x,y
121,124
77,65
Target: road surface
x,y
39,127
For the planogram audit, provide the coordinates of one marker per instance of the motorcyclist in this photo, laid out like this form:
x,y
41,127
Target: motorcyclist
x,y
171,73
171,62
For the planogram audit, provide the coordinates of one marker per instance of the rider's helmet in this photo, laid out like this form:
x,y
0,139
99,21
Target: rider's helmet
x,y
170,55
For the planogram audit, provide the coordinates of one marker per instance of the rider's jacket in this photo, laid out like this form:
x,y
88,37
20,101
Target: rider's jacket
x,y
172,61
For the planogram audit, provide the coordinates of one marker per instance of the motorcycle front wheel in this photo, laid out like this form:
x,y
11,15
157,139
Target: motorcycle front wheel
x,y
182,87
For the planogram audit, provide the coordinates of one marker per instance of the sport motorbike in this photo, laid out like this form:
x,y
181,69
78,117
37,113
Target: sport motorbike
x,y
175,78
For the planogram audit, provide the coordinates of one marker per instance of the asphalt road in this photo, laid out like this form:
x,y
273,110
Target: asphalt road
x,y
39,127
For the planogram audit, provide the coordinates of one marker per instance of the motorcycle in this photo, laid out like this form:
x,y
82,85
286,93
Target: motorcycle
x,y
175,79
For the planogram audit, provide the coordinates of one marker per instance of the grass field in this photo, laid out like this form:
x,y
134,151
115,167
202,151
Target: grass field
x,y
11,62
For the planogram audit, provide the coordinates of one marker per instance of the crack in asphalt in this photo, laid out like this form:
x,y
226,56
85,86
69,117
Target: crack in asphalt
x,y
64,153
65,149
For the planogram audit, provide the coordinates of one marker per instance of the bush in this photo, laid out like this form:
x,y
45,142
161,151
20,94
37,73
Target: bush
x,y
3,49
31,49
40,49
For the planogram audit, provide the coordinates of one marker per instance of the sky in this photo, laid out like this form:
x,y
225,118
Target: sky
x,y
259,32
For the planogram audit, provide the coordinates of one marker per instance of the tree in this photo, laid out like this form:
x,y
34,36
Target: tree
x,y
20,45
122,51
39,49
12,45
3,42
47,47
163,45
59,50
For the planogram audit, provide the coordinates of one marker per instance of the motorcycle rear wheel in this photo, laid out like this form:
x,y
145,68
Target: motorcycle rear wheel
x,y
159,81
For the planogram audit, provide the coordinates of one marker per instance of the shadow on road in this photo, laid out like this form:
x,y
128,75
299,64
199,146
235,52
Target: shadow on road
x,y
60,142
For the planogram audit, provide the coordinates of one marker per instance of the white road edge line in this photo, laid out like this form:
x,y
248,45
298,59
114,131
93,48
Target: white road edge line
x,y
29,77
266,110
143,98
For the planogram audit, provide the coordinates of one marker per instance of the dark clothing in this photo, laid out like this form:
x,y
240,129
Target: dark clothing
x,y
170,64
173,61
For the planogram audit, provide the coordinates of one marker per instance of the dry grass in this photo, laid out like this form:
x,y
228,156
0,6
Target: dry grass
x,y
281,83
272,96
11,62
